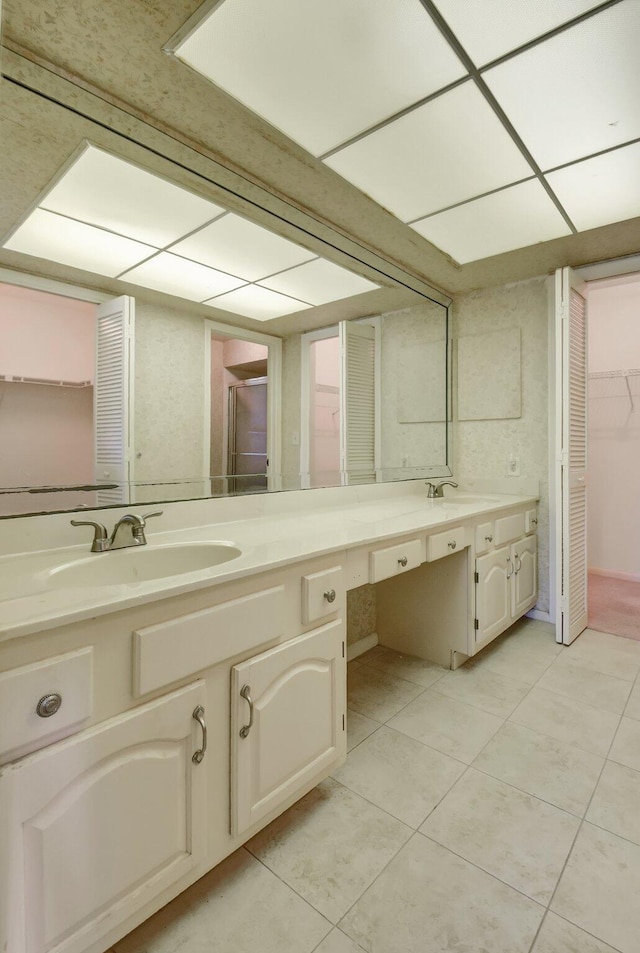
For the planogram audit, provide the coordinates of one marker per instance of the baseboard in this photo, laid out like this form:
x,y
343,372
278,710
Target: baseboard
x,y
613,574
361,646
539,616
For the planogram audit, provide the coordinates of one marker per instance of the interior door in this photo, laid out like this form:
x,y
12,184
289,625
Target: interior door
x,y
571,455
248,434
357,402
113,398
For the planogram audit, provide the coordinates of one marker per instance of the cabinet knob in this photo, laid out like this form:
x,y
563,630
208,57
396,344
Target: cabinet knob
x,y
403,561
49,705
330,595
452,544
489,539
535,520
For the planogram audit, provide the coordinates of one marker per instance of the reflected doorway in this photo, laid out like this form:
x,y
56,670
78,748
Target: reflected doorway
x,y
247,435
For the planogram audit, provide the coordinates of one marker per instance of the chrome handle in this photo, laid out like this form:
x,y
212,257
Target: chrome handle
x,y
330,595
510,574
147,516
489,539
49,705
198,714
519,566
100,530
452,544
403,561
245,691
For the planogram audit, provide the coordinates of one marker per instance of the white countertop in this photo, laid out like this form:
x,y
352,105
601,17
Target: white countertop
x,y
29,603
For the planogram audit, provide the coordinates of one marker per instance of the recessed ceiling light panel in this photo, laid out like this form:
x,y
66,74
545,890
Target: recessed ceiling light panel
x,y
444,152
258,303
104,190
56,238
322,72
178,276
239,247
319,282
513,218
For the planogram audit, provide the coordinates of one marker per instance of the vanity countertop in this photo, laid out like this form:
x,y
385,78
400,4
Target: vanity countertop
x,y
29,603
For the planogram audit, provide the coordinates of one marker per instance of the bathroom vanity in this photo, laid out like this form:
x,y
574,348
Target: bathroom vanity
x,y
150,727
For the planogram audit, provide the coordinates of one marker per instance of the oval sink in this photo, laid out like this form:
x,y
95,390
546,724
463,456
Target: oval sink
x,y
143,564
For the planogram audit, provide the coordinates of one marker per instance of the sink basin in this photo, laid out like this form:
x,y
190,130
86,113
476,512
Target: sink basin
x,y
143,564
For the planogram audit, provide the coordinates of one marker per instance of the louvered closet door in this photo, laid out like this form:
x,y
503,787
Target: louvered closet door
x,y
113,396
572,458
357,402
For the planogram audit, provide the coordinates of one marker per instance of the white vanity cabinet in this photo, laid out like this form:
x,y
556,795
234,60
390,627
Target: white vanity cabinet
x,y
99,824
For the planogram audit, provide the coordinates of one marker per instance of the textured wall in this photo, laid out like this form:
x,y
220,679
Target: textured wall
x,y
361,613
482,447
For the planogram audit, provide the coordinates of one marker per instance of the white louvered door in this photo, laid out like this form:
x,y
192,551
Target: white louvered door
x,y
113,397
357,402
571,456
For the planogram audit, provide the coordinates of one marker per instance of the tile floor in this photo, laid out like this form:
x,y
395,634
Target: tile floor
x,y
495,809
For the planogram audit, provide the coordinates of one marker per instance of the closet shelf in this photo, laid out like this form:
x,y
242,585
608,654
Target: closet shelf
x,y
52,382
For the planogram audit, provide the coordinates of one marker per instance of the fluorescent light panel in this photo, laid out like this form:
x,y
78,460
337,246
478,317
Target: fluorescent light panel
x,y
518,216
318,282
181,277
444,152
104,190
258,303
329,70
576,93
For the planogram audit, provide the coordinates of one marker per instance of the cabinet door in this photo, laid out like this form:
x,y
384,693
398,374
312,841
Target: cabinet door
x,y
493,606
524,592
95,826
296,710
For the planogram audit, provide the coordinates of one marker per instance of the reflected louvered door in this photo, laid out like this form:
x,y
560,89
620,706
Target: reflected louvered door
x,y
572,476
357,402
113,398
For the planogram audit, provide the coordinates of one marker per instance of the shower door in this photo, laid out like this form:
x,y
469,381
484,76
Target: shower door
x,y
247,457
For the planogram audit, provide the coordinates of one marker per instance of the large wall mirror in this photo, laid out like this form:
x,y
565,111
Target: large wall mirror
x,y
194,292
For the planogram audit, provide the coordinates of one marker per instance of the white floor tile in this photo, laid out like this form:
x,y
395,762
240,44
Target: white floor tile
x,y
359,727
330,846
597,689
378,695
399,775
626,746
568,720
516,837
606,653
483,689
338,942
409,667
515,660
633,705
428,899
616,801
559,936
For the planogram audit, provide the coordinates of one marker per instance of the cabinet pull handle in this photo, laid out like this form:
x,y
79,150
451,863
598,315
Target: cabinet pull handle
x,y
452,544
245,691
519,566
49,705
510,574
489,539
403,561
330,595
535,520
198,714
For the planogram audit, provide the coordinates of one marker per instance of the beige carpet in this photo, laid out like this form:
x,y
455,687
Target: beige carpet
x,y
614,606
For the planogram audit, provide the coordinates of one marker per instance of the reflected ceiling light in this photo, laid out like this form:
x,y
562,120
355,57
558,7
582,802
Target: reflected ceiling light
x,y
368,56
512,218
179,276
47,235
104,190
318,282
240,247
252,301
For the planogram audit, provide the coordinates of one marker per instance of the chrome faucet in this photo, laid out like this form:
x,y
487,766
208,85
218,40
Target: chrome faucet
x,y
128,531
437,492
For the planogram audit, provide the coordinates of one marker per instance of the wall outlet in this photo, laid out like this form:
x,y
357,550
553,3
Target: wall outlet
x,y
513,466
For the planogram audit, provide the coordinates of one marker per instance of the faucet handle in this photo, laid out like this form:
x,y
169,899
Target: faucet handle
x,y
147,516
431,492
100,536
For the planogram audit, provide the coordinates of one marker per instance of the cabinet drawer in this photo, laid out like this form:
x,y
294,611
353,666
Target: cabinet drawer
x,y
444,544
22,729
508,528
323,593
484,537
172,650
531,521
384,563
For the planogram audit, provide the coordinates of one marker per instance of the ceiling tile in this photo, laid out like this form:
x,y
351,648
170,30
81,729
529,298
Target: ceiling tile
x,y
513,218
46,235
179,276
492,28
368,56
319,282
259,303
104,190
444,152
600,190
576,93
242,248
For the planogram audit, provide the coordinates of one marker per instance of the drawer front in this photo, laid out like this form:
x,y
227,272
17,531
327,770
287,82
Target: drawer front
x,y
323,593
508,528
445,544
22,727
485,533
393,560
531,521
171,650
